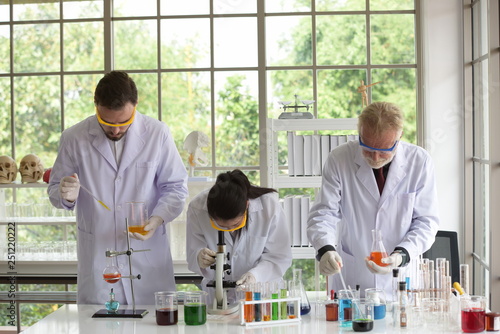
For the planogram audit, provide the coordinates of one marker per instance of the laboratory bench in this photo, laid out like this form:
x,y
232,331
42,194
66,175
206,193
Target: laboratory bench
x,y
77,319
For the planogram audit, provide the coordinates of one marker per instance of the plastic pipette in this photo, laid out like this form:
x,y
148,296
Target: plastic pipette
x,y
100,202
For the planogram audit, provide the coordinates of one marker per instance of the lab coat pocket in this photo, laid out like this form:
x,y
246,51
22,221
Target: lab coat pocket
x,y
405,209
85,243
144,178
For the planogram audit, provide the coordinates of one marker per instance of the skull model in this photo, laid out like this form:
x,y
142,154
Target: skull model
x,y
31,169
8,169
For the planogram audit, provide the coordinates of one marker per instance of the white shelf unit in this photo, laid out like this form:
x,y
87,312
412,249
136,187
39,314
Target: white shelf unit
x,y
277,180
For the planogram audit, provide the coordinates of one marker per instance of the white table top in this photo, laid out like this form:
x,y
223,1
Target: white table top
x,y
77,319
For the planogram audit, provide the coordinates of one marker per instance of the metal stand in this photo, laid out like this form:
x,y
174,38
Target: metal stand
x,y
104,313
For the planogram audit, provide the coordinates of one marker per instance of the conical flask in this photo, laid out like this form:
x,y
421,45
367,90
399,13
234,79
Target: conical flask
x,y
378,250
299,291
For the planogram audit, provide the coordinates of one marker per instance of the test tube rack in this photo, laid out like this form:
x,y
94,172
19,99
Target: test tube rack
x,y
294,301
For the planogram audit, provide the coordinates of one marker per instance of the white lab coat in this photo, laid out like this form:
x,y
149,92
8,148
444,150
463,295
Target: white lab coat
x,y
263,246
349,206
151,170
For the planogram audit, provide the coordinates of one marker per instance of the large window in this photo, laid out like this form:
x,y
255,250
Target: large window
x,y
482,73
218,66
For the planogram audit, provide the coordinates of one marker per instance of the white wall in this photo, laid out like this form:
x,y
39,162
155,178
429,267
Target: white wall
x,y
443,103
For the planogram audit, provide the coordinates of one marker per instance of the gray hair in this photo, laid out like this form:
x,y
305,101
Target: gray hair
x,y
381,117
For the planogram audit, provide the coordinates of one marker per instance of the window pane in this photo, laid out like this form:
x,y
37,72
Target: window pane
x,y
280,6
185,7
398,86
284,85
235,7
36,48
341,40
37,115
236,119
134,8
147,87
232,51
79,97
4,13
393,39
481,117
337,96
288,41
83,46
135,44
187,94
83,9
185,43
4,49
392,4
480,29
36,11
340,5
5,119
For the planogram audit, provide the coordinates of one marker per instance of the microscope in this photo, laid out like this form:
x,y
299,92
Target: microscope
x,y
220,305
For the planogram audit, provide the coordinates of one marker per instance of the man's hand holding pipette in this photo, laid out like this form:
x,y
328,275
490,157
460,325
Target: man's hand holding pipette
x,y
153,223
330,263
392,261
69,187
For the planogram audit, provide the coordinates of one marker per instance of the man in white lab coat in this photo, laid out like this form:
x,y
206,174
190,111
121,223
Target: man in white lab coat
x,y
354,199
255,232
121,156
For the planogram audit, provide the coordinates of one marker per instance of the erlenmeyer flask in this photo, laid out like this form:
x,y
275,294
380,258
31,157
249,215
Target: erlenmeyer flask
x,y
299,291
378,250
111,273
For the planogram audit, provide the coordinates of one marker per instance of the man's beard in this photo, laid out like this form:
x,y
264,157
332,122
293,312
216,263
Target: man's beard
x,y
379,163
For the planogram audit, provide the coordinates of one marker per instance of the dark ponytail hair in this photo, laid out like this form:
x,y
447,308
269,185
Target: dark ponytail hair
x,y
228,198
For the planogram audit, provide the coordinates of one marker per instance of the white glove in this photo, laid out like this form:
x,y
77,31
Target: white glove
x,y
330,263
69,187
150,227
247,278
206,257
392,261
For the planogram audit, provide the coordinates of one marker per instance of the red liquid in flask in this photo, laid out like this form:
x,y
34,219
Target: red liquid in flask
x,y
112,278
377,258
473,320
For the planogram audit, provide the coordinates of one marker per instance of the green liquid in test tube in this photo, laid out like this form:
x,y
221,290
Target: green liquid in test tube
x,y
275,311
283,306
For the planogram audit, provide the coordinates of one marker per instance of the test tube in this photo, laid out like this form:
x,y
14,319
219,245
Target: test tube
x,y
257,295
283,305
274,306
464,277
266,307
249,308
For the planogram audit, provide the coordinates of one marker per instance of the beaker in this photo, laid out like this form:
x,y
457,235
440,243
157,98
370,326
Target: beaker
x,y
111,273
473,313
137,214
195,307
377,297
300,291
166,308
345,308
378,251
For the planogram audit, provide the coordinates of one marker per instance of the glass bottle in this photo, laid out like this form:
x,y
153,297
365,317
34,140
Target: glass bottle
x,y
112,305
111,273
378,250
299,291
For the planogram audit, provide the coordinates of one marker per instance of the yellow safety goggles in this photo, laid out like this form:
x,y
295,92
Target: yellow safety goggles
x,y
100,120
228,229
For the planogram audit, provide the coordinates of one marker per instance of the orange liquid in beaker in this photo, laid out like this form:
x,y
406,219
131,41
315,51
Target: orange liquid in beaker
x,y
377,258
112,278
137,229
